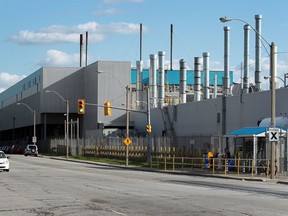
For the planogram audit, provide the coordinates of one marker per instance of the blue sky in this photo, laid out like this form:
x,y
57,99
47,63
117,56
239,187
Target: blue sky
x,y
37,33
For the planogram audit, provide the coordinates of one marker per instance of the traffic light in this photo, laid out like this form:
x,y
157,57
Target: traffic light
x,y
107,108
81,106
148,128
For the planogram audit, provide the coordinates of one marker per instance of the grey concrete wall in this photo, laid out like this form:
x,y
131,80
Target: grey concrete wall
x,y
105,81
200,118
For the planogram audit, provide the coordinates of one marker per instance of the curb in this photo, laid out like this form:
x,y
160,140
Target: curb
x,y
143,169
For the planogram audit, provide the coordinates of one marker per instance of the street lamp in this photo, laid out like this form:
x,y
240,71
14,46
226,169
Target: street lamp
x,y
272,85
34,139
127,111
67,120
283,80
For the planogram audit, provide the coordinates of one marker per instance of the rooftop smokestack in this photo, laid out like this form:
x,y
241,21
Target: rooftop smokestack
x,y
206,92
152,80
183,79
246,59
86,55
171,47
139,85
140,41
258,46
161,78
81,48
226,80
197,79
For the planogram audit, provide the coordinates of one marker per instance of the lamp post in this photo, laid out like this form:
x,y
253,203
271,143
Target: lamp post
x,y
283,80
272,85
127,90
67,120
34,121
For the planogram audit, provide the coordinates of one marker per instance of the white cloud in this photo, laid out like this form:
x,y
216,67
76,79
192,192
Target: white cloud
x,y
70,34
59,58
7,80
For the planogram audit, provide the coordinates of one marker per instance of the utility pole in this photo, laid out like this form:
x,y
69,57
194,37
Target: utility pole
x,y
127,125
273,104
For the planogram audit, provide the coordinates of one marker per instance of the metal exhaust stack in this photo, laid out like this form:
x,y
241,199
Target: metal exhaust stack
x,y
152,80
139,84
140,41
215,86
258,47
81,48
246,59
161,78
206,93
86,55
183,79
197,79
171,47
226,61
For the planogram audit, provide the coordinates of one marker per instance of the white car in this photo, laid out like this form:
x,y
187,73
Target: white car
x,y
4,162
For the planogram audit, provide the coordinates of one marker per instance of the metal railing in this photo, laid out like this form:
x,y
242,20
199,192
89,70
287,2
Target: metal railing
x,y
223,166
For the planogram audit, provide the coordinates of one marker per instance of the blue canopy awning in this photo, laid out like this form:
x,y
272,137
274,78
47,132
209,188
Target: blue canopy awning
x,y
251,131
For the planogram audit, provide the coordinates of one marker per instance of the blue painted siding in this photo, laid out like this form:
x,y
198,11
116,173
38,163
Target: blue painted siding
x,y
173,77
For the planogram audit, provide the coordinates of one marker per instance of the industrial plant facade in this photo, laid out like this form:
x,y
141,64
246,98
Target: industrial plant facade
x,y
197,124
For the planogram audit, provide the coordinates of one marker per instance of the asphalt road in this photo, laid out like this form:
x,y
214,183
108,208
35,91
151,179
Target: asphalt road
x,y
42,186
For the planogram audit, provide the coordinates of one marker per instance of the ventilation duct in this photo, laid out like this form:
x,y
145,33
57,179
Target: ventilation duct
x,y
161,78
258,47
183,80
152,80
197,79
139,84
206,93
246,59
226,83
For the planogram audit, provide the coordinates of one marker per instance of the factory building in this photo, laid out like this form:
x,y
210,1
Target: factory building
x,y
48,90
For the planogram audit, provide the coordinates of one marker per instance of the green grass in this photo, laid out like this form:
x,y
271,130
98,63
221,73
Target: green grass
x,y
106,160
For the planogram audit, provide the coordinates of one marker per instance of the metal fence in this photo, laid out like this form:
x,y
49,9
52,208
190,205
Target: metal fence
x,y
224,166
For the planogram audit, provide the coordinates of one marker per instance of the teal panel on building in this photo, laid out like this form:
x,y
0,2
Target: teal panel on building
x,y
173,77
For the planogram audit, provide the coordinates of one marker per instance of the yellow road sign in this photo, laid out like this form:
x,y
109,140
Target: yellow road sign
x,y
127,141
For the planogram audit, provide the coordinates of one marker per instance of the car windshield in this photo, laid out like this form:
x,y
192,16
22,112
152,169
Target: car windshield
x,y
2,155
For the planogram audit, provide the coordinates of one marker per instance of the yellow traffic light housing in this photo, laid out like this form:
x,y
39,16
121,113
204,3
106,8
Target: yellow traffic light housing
x,y
148,128
81,106
107,108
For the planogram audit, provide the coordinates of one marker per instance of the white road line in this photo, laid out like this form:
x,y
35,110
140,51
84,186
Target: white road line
x,y
118,213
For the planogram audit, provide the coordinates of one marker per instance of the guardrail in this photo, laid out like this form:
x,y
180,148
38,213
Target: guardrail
x,y
213,166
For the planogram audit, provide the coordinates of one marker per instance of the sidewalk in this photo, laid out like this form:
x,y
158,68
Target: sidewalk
x,y
279,178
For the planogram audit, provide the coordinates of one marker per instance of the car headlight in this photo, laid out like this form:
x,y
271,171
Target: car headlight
x,y
6,161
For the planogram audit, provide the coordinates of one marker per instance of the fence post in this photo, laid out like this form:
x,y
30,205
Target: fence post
x,y
191,163
213,168
182,164
238,167
252,168
225,166
268,168
165,163
173,160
